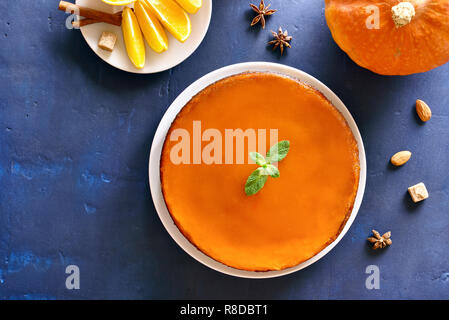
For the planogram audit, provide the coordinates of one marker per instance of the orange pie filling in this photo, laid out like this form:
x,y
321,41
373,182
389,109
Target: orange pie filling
x,y
293,217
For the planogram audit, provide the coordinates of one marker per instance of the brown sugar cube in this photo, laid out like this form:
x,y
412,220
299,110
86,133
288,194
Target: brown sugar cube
x,y
107,41
418,192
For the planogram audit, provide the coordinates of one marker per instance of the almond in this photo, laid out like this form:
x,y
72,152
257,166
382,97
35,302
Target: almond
x,y
400,158
423,110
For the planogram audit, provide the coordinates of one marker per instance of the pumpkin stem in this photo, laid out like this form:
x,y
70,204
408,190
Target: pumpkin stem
x,y
403,13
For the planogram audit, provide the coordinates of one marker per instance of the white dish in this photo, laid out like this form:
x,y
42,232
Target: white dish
x,y
182,100
155,62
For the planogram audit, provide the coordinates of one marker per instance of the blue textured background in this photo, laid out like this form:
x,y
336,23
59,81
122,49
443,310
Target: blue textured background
x,y
75,136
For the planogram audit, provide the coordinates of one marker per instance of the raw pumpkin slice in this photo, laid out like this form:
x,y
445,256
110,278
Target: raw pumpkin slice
x,y
191,6
151,28
172,17
133,38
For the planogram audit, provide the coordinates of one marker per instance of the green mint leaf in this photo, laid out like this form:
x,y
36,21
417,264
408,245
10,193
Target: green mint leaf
x,y
258,158
278,151
272,171
255,181
258,177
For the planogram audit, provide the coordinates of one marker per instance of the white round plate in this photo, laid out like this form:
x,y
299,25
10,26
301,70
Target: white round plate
x,y
182,100
155,62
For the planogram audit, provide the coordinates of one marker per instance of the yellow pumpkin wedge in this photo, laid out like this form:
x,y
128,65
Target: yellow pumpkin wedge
x,y
118,2
191,6
135,46
151,28
172,17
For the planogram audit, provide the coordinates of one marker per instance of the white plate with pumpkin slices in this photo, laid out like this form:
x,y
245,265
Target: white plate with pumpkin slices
x,y
176,53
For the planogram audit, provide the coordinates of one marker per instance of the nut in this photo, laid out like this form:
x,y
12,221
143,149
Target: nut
x,y
423,110
418,192
400,158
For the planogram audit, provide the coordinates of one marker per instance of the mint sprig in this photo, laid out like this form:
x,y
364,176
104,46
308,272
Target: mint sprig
x,y
258,177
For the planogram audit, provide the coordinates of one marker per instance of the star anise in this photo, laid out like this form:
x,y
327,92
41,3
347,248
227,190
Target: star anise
x,y
379,241
281,40
261,11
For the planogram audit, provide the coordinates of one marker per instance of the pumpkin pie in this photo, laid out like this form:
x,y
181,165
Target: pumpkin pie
x,y
294,216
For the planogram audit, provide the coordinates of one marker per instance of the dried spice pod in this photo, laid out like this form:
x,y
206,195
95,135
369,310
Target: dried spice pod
x,y
380,242
261,11
281,40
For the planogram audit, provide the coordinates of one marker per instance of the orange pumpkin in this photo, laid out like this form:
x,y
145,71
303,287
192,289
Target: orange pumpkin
x,y
391,37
